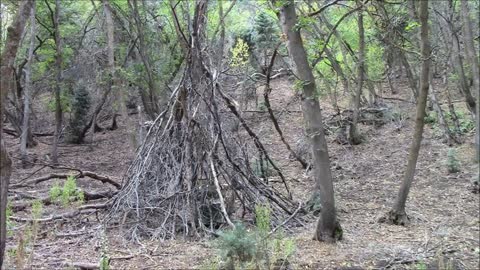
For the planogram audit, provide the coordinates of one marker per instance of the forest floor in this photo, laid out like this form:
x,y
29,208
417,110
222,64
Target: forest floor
x,y
444,212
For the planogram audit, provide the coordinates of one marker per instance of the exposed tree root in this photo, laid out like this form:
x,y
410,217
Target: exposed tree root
x,y
395,218
328,236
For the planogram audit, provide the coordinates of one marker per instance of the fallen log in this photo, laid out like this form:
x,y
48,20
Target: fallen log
x,y
80,174
88,196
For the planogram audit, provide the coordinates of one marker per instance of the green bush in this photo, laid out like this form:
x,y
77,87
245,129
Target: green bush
x,y
430,118
453,164
68,193
253,248
465,122
65,103
80,108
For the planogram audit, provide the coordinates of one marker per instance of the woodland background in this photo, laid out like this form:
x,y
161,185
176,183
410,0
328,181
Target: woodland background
x,y
226,134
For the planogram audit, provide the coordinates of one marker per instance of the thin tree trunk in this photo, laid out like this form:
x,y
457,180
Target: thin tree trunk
x,y
266,98
111,58
397,215
441,117
453,113
473,59
14,34
149,101
458,65
410,76
354,137
58,63
328,228
221,42
28,91
332,94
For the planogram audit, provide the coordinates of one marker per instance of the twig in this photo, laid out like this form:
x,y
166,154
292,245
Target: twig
x,y
286,220
219,192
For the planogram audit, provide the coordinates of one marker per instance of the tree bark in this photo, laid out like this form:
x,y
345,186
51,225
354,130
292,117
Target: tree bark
x,y
150,100
397,215
473,59
354,137
58,64
28,91
14,34
328,228
449,139
458,62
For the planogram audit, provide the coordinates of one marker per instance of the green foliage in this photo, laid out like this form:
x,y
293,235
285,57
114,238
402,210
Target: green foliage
x,y
104,258
69,193
255,248
80,107
12,253
266,31
466,123
411,26
240,53
453,164
104,263
55,192
430,118
9,213
237,245
304,22
262,106
262,216
421,266
37,209
65,103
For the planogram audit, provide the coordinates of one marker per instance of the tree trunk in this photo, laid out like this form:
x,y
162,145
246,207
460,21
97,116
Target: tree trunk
x,y
354,137
28,91
440,116
458,63
221,42
14,34
397,215
412,82
473,59
58,64
328,228
150,101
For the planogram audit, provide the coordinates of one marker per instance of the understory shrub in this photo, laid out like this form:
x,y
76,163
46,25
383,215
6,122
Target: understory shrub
x,y
68,193
253,248
80,108
453,165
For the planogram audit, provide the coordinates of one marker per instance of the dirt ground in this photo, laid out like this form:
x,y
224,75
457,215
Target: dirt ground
x,y
444,212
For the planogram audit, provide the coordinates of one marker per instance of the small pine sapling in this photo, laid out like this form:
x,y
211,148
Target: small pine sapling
x,y
453,165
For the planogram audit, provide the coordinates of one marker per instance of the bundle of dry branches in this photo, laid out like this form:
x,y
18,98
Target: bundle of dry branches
x,y
193,172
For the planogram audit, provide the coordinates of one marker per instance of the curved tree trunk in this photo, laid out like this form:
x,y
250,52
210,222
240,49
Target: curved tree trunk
x,y
28,91
354,137
473,59
328,228
397,215
14,34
